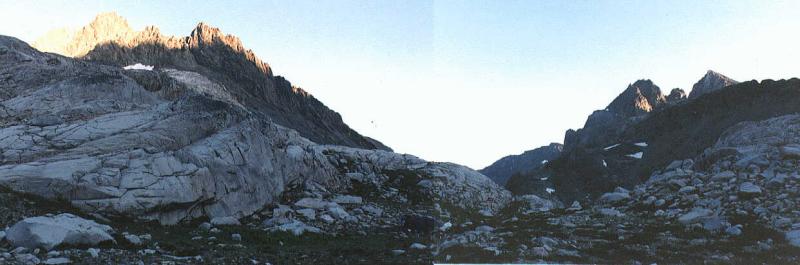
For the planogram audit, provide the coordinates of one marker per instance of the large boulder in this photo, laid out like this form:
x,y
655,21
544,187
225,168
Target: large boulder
x,y
48,232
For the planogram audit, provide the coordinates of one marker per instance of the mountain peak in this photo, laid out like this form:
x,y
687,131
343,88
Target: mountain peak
x,y
711,81
640,97
109,20
204,33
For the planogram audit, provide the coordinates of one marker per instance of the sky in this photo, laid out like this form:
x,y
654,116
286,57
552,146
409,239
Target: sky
x,y
469,81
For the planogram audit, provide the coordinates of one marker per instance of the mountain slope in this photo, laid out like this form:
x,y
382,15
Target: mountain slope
x,y
221,58
175,145
674,133
501,170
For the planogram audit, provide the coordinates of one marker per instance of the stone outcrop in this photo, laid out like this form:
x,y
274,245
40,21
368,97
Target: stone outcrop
x,y
172,145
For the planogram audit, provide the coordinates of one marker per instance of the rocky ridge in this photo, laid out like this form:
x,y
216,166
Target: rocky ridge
x,y
220,58
501,170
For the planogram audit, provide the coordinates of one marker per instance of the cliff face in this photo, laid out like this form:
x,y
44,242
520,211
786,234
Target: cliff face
x,y
221,58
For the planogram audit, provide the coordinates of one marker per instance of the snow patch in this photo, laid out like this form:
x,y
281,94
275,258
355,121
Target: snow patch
x,y
636,155
610,147
604,163
138,66
543,179
642,144
550,190
544,161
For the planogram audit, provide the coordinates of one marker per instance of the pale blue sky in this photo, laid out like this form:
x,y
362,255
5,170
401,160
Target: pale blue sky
x,y
470,81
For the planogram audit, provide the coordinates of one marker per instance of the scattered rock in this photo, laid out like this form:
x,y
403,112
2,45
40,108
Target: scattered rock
x,y
297,228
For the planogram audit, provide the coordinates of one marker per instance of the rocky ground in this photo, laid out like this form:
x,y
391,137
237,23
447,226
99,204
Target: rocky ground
x,y
257,240
737,203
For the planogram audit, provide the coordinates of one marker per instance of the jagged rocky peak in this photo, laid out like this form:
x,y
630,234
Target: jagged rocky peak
x,y
105,27
712,81
217,56
639,98
676,95
205,36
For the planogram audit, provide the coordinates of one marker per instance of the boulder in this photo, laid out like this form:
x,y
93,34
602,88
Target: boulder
x,y
312,203
694,216
533,203
227,220
297,228
614,197
60,230
309,214
748,189
347,199
790,151
793,237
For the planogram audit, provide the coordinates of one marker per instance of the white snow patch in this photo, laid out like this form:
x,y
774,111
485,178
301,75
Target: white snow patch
x,y
636,155
544,161
549,190
543,179
642,144
610,147
604,163
138,66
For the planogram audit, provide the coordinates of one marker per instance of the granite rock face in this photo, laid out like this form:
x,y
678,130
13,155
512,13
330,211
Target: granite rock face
x,y
172,145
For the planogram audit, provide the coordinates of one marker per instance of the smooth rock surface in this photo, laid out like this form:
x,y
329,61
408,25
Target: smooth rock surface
x,y
63,229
